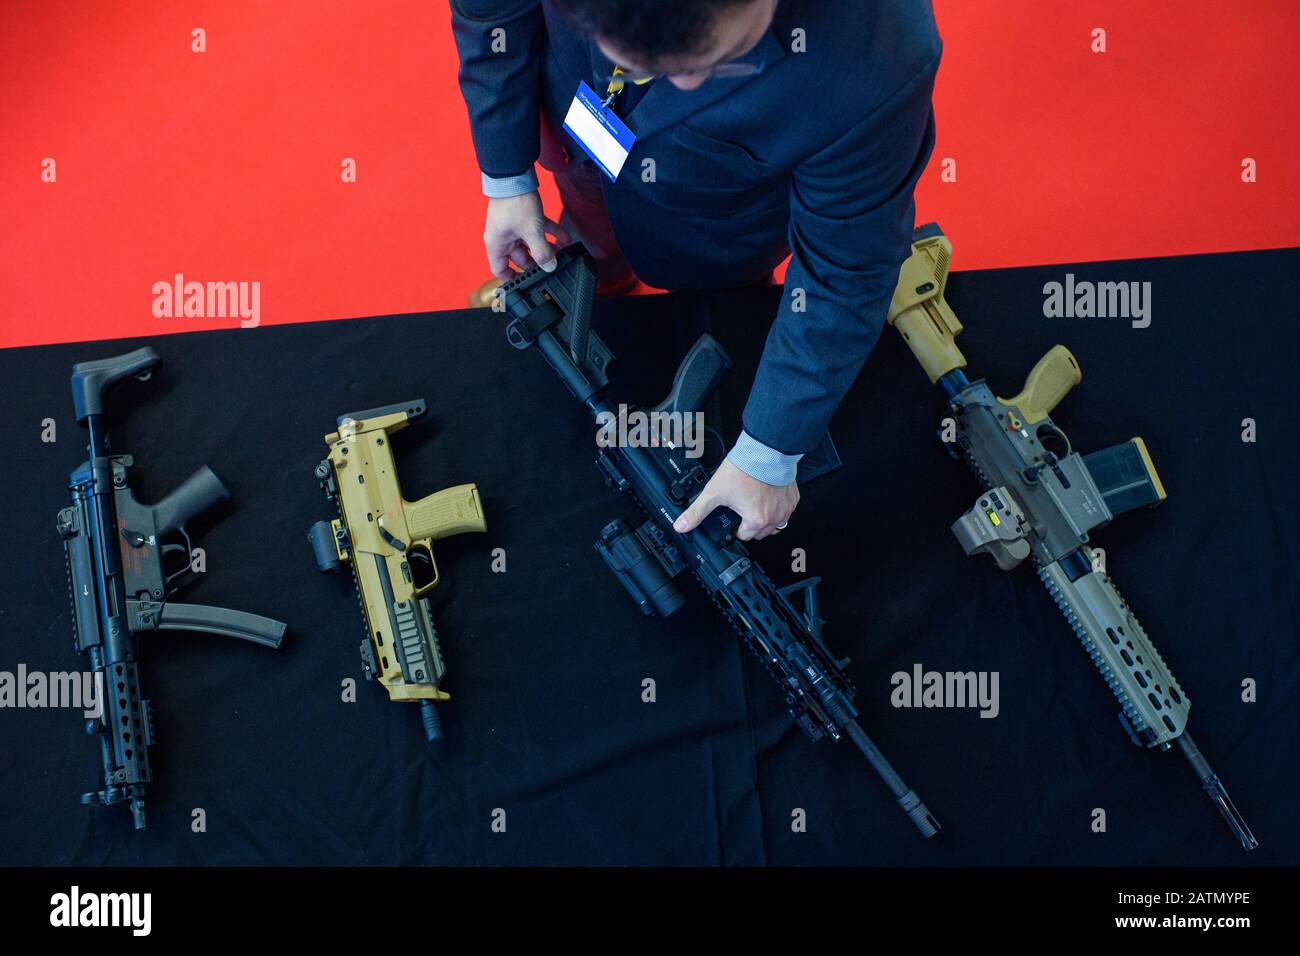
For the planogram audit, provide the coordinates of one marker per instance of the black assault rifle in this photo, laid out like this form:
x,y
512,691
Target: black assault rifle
x,y
552,311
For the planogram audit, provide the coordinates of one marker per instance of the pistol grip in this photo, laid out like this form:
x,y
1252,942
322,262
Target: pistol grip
x,y
199,492
697,376
442,514
1049,381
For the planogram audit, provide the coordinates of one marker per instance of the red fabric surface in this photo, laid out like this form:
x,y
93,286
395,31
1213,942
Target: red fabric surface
x,y
225,165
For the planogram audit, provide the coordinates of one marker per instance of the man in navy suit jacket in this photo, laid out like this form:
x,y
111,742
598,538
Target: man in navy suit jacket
x,y
763,128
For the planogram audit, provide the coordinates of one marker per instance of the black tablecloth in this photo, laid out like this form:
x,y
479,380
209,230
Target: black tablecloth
x,y
547,659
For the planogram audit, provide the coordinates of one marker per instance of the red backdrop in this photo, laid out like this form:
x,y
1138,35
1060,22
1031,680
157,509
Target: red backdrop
x,y
225,165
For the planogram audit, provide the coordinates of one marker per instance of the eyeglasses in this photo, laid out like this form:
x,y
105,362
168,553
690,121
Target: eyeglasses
x,y
720,70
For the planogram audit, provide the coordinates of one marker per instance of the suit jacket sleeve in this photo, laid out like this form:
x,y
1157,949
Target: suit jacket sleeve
x,y
500,44
851,220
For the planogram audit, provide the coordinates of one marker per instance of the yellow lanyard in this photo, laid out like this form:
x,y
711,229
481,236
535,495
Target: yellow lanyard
x,y
616,84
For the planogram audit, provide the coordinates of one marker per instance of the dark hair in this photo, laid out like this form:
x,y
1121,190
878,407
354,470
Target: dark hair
x,y
650,28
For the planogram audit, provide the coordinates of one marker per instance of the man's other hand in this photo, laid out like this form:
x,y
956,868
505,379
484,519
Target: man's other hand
x,y
763,508
516,232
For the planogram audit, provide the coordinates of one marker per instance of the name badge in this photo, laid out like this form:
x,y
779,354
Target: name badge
x,y
601,134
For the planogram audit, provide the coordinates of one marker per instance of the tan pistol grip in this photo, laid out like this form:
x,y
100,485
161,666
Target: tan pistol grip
x,y
921,314
1049,381
444,513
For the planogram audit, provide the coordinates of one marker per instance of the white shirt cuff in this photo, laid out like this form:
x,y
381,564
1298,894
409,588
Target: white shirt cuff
x,y
762,463
507,186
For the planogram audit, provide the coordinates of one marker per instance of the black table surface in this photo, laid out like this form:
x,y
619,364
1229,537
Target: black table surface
x,y
547,729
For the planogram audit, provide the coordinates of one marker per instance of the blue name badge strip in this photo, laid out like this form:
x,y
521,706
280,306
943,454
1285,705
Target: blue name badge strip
x,y
601,134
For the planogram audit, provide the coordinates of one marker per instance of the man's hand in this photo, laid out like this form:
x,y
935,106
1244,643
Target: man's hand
x,y
764,509
516,232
